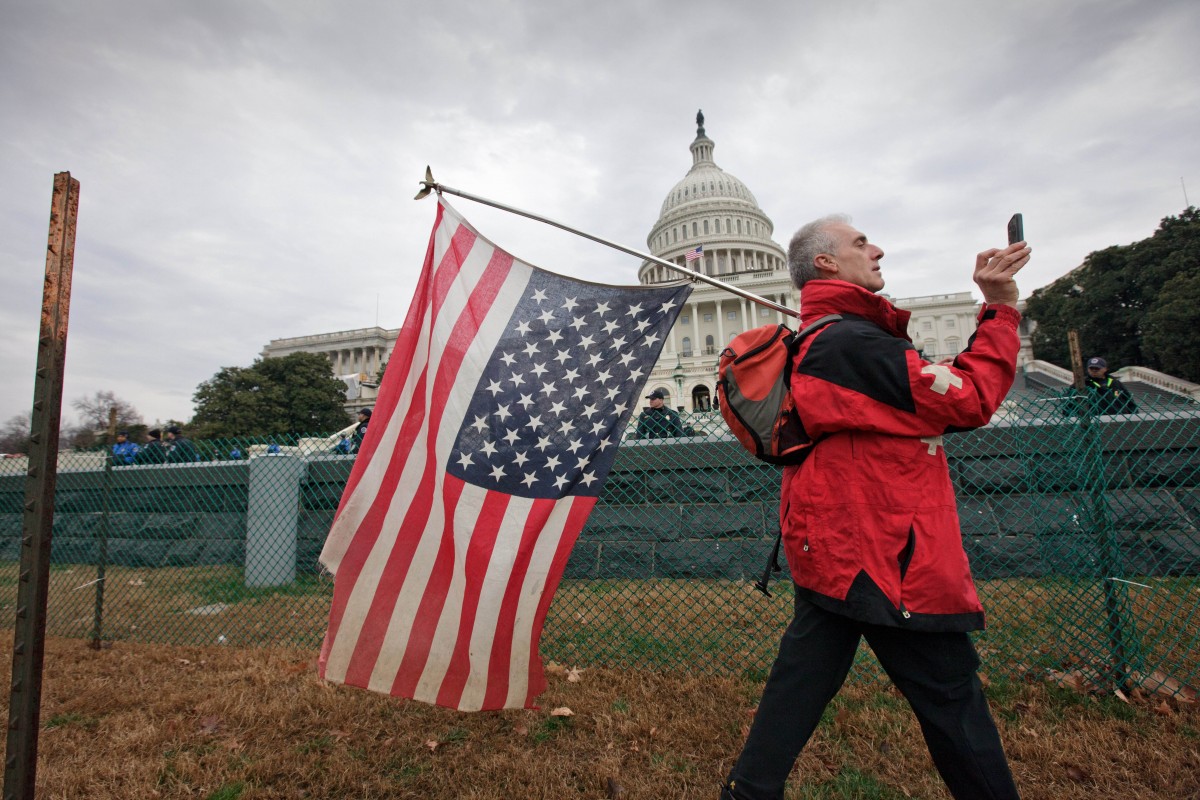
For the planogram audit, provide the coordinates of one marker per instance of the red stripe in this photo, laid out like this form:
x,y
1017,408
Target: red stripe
x,y
365,536
475,564
386,593
501,655
580,510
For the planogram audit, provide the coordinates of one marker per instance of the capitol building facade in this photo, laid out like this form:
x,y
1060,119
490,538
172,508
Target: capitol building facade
x,y
712,217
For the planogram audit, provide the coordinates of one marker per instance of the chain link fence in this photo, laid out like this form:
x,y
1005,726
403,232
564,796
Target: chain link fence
x,y
1082,532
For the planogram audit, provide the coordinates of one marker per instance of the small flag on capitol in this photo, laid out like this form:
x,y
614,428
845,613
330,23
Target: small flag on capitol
x,y
496,424
694,253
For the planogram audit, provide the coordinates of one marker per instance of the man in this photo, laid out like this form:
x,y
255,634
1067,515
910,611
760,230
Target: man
x,y
658,421
124,452
154,451
869,519
1108,394
180,449
364,419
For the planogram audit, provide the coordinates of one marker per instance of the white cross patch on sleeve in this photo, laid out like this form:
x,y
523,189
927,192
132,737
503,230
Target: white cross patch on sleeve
x,y
943,378
933,442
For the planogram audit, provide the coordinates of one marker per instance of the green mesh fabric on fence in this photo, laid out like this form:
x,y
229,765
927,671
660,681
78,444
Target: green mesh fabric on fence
x,y
1083,534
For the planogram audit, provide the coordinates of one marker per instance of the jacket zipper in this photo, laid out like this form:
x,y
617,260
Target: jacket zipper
x,y
905,559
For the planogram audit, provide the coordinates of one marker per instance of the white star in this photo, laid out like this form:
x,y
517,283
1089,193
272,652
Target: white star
x,y
632,310
498,472
494,388
517,379
562,356
520,457
565,427
574,445
523,328
587,479
537,370
543,442
577,322
626,358
507,358
553,336
558,408
610,326
604,377
581,393
618,342
635,373
650,340
594,359
619,408
526,401
604,445
546,316
613,392
534,423
602,308
503,412
480,424
571,375
539,296
569,304
667,306
598,426
581,463
548,389
530,349
586,341
560,481
552,462
512,436
589,410
641,325
464,460
528,479
489,448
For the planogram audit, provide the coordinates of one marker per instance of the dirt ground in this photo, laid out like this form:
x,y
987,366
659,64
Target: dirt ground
x,y
153,721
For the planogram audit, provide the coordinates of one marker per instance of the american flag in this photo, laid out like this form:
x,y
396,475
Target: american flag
x,y
496,424
694,253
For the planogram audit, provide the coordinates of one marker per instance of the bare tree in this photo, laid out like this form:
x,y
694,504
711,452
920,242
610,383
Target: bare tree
x,y
94,414
14,434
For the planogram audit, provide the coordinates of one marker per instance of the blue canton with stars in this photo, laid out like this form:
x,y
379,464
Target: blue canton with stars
x,y
558,389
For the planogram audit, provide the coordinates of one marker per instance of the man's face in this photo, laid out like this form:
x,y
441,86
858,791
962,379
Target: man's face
x,y
656,402
854,260
120,438
1097,372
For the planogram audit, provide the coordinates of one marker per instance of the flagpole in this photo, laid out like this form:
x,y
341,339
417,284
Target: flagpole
x,y
430,184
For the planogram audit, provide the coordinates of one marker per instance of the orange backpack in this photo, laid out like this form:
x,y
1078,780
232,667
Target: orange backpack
x,y
754,390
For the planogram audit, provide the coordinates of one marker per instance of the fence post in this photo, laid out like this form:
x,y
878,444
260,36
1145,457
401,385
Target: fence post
x,y
29,639
272,519
102,547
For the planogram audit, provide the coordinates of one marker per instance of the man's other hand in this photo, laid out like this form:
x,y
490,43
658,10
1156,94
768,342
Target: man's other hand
x,y
995,271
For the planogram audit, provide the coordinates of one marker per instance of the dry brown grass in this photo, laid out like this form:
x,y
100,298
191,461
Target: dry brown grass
x,y
156,721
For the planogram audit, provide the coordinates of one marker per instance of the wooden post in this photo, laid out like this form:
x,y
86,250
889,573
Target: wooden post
x,y
20,764
1076,359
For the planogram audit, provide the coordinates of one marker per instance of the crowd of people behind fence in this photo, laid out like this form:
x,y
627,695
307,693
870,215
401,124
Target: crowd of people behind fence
x,y
179,449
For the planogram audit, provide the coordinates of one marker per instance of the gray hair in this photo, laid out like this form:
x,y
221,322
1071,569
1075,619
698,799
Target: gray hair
x,y
809,242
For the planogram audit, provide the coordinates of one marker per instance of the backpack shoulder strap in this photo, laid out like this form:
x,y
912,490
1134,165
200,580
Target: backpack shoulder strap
x,y
816,326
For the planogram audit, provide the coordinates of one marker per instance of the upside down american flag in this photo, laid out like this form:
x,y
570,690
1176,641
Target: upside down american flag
x,y
496,424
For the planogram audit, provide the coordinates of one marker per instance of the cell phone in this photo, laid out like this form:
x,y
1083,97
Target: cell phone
x,y
1016,229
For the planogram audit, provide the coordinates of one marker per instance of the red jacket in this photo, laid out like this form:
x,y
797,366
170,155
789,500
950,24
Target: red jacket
x,y
869,520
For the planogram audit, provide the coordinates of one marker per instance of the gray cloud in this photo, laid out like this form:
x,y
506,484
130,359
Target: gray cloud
x,y
247,167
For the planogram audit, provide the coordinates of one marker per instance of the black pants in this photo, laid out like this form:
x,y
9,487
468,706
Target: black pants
x,y
936,672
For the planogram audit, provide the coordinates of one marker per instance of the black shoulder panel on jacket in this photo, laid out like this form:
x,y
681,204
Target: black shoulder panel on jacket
x,y
860,356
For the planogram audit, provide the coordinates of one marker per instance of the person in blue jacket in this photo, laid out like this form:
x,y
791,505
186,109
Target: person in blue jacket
x,y
124,452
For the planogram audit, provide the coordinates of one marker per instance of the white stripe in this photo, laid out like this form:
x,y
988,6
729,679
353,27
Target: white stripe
x,y
413,462
474,361
532,589
491,599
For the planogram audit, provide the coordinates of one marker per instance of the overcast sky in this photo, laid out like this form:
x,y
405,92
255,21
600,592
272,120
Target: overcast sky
x,y
247,167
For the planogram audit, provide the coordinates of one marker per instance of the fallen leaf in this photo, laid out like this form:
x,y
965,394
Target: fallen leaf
x,y
210,724
983,680
1164,709
521,730
1121,696
432,745
562,711
842,717
1076,774
137,582
574,675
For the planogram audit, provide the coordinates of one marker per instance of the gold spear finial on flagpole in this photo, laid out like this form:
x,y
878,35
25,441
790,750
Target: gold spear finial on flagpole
x,y
428,184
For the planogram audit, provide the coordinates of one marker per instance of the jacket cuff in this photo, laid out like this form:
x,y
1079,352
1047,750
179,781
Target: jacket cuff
x,y
1001,312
